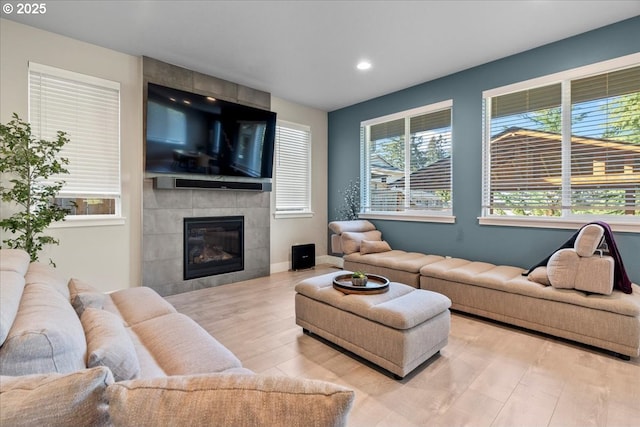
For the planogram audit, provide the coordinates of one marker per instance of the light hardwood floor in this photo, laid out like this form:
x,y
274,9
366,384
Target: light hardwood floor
x,y
488,375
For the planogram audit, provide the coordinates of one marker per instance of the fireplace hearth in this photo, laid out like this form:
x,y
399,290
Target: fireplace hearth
x,y
213,245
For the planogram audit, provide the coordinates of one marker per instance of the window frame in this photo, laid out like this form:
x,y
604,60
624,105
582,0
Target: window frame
x,y
621,223
306,211
413,215
73,220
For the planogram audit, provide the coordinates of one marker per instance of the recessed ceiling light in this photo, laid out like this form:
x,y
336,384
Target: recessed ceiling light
x,y
363,65
211,98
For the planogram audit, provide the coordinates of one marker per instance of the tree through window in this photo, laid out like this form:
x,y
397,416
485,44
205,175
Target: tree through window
x,y
407,162
565,149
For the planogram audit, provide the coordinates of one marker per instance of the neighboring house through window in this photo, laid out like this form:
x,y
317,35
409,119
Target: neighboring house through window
x,y
565,147
293,170
88,110
406,160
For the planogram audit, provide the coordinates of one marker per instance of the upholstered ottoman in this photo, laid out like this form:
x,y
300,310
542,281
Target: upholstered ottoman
x,y
397,330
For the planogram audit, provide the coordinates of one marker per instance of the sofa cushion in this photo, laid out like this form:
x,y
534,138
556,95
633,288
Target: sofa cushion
x,y
180,346
138,304
395,259
595,274
46,274
350,240
339,227
10,294
374,246
75,399
539,275
15,260
588,240
46,335
108,344
229,400
440,269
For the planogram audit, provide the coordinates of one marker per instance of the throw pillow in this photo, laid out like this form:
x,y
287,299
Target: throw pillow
x,y
75,399
351,240
374,246
109,344
539,275
562,268
229,400
77,286
84,300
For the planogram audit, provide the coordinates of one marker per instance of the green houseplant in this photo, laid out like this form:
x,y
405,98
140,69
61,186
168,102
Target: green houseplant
x,y
26,163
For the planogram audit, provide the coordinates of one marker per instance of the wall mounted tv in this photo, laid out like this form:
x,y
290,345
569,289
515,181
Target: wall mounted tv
x,y
187,133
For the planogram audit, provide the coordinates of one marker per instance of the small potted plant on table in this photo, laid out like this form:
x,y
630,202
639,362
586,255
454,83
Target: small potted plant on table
x,y
358,278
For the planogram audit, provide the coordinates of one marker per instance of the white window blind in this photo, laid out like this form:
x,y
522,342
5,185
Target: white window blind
x,y
566,149
88,110
293,168
407,162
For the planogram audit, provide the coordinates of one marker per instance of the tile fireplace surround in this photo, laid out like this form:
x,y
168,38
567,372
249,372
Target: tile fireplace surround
x,y
162,234
164,210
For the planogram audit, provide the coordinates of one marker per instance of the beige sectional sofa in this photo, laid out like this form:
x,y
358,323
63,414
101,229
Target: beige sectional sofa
x,y
70,355
502,293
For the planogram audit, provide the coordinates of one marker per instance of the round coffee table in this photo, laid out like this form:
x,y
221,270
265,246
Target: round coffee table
x,y
375,285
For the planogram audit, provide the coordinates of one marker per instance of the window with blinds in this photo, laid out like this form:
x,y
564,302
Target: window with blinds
x,y
567,149
88,110
293,169
407,162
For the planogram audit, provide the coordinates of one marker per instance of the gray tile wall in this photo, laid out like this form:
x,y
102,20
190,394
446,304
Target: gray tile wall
x,y
162,244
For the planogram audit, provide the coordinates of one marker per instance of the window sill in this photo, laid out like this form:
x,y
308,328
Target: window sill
x,y
572,224
89,221
288,215
401,216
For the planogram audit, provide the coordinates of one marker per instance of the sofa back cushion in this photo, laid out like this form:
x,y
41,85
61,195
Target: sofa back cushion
x,y
46,335
588,240
182,347
15,260
229,400
46,274
135,305
360,225
351,240
75,399
10,294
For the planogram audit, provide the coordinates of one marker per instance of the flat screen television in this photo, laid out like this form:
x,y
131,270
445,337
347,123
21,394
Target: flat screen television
x,y
188,133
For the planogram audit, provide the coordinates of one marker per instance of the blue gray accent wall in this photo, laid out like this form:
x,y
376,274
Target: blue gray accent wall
x,y
518,246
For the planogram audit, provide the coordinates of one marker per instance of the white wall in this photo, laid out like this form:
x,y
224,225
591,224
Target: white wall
x,y
290,231
109,257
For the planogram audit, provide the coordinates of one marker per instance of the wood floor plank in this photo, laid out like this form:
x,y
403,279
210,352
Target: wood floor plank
x,y
489,374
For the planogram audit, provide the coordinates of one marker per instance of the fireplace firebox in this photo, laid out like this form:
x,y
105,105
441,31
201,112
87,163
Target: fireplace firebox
x,y
213,245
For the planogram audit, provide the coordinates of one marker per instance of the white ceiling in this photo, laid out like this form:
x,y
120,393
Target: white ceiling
x,y
306,51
